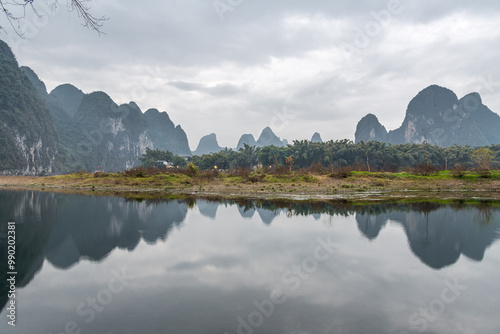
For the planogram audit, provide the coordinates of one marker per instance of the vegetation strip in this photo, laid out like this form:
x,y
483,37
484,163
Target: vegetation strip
x,y
297,185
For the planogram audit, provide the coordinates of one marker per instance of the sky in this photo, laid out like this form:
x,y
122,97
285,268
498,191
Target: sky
x,y
237,66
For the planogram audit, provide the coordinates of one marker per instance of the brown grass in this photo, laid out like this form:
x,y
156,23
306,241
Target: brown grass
x,y
245,184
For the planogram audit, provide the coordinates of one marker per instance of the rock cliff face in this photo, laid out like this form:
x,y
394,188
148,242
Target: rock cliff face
x,y
246,139
66,160
69,96
67,130
438,117
28,139
268,138
370,129
316,138
207,145
165,135
108,137
112,137
95,133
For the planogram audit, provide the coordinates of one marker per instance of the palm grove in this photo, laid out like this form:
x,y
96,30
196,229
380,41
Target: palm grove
x,y
363,156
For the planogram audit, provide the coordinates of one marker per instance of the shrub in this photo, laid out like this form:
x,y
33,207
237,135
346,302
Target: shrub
x,y
425,170
281,170
191,169
209,175
316,168
341,172
309,178
241,172
484,174
256,178
459,171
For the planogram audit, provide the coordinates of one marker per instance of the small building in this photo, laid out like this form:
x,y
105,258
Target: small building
x,y
164,164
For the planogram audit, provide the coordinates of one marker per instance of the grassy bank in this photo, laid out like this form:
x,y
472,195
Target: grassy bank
x,y
296,185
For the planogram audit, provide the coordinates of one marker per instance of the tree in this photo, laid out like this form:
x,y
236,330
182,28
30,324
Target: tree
x,y
152,157
483,158
248,156
289,161
16,10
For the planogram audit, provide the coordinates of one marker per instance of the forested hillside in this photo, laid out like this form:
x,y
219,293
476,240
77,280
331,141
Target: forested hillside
x,y
28,140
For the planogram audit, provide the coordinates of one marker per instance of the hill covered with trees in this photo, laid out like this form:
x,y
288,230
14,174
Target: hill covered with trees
x,y
67,130
436,116
334,155
28,139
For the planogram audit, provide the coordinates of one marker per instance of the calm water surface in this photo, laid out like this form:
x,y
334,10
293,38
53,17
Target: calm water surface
x,y
107,265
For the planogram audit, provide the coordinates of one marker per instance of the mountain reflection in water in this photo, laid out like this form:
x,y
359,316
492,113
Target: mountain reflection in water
x,y
67,229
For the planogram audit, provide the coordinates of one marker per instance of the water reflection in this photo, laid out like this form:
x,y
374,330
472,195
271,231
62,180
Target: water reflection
x,y
437,234
63,229
66,229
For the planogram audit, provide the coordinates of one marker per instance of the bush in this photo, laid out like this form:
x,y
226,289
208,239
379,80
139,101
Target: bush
x,y
256,178
341,172
281,170
209,175
191,169
309,178
316,168
459,171
131,172
142,172
241,172
484,174
425,170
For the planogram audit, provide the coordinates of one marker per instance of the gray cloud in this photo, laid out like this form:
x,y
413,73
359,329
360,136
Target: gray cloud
x,y
269,58
219,90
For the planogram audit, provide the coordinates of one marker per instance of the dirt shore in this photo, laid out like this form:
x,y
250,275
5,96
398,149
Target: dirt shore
x,y
356,188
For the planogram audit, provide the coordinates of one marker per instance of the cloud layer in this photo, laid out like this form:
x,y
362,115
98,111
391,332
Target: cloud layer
x,y
234,67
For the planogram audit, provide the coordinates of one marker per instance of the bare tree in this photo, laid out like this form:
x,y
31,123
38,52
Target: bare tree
x,y
16,11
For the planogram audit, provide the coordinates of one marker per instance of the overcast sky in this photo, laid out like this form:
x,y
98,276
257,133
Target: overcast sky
x,y
237,66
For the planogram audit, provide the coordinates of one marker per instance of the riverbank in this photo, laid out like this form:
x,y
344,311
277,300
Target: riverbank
x,y
353,186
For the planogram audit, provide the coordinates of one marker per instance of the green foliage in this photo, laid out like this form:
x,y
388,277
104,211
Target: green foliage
x,y
28,139
483,158
423,159
192,169
151,158
155,158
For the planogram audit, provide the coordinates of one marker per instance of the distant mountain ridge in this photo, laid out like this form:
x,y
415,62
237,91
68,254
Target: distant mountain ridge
x,y
436,116
208,144
95,133
316,138
67,130
165,135
69,96
28,138
247,139
266,138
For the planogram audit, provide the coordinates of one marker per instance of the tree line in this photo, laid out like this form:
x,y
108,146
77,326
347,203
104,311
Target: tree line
x,y
364,156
